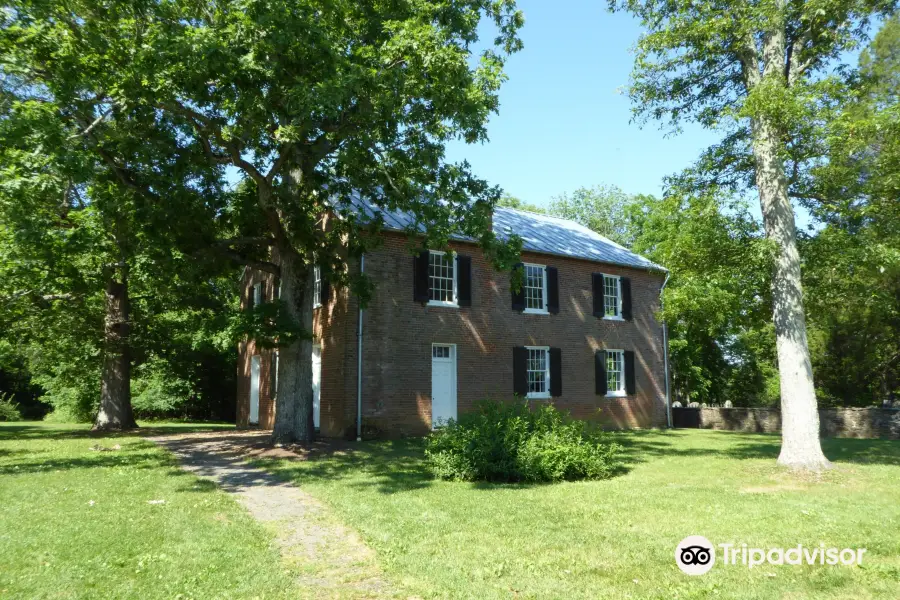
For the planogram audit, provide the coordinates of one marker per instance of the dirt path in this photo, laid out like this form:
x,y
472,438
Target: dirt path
x,y
332,559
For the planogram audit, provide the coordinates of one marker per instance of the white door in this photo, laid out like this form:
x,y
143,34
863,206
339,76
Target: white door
x,y
316,382
254,390
443,383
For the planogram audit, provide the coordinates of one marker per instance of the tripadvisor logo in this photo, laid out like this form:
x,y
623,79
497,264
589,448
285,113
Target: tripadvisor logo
x,y
696,555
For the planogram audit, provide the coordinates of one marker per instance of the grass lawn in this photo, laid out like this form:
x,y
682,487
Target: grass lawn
x,y
76,523
616,538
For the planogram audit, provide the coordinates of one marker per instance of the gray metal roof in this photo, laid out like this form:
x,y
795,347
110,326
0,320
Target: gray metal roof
x,y
539,233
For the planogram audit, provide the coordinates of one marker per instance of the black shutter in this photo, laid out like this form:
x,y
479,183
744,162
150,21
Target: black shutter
x,y
552,290
626,297
520,371
600,372
273,374
251,297
597,285
629,373
555,372
421,292
464,280
324,291
518,298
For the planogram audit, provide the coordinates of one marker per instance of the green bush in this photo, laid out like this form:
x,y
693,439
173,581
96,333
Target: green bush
x,y
9,410
510,442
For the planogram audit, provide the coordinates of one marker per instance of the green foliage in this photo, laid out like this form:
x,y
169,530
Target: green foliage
x,y
9,410
155,395
716,301
501,441
16,380
306,100
852,265
604,209
510,201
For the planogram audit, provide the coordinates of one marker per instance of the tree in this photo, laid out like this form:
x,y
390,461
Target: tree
x,y
602,208
853,263
762,69
315,104
78,239
715,303
510,201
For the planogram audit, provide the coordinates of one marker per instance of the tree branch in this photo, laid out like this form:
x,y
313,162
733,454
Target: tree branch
x,y
260,265
205,125
90,127
792,68
749,57
279,162
246,241
46,297
123,177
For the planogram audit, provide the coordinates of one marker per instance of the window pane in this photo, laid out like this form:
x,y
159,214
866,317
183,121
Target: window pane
x,y
534,287
614,371
440,272
537,371
611,296
317,286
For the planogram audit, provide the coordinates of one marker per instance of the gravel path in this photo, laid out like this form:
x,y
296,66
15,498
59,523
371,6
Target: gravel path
x,y
332,559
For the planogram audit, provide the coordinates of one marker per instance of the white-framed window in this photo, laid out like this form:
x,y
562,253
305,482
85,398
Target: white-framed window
x,y
534,287
538,367
615,373
440,351
442,278
257,294
317,286
612,297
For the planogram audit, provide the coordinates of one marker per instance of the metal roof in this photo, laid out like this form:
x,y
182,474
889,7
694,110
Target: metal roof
x,y
539,233
552,235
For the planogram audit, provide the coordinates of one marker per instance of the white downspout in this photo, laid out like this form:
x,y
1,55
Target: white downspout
x,y
359,348
666,355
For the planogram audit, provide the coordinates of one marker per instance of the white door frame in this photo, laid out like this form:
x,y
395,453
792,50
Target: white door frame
x,y
453,379
255,364
317,389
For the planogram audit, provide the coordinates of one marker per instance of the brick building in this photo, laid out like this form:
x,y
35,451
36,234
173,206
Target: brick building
x,y
444,329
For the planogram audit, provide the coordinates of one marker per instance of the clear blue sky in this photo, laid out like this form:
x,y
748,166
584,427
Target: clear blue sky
x,y
564,122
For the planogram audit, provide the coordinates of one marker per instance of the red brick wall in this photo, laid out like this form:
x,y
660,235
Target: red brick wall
x,y
330,330
248,349
398,333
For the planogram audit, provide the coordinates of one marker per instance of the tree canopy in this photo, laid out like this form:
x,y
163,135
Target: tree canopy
x,y
312,104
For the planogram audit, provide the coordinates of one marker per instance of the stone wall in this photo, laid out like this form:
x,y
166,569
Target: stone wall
x,y
833,422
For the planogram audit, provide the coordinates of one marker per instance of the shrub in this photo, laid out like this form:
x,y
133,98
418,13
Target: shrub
x,y
9,410
509,442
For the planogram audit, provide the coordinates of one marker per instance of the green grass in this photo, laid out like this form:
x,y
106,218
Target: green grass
x,y
616,538
76,523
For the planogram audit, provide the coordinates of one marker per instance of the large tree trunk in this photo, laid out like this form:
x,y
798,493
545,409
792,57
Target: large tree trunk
x,y
800,446
294,402
115,379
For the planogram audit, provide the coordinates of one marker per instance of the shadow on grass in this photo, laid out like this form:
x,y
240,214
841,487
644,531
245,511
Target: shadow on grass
x,y
397,466
643,446
74,432
392,466
136,458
